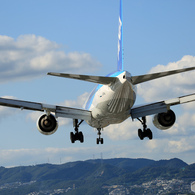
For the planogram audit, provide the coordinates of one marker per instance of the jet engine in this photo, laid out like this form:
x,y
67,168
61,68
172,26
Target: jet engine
x,y
164,120
47,124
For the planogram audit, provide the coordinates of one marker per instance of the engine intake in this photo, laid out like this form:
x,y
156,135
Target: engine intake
x,y
47,124
164,120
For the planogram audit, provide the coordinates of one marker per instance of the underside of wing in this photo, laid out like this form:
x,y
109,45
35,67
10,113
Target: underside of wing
x,y
60,111
94,79
148,77
159,107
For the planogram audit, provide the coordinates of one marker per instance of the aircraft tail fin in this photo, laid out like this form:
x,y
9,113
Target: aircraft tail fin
x,y
120,40
94,79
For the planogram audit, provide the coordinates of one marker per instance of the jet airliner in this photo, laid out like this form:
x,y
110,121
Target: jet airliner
x,y
111,102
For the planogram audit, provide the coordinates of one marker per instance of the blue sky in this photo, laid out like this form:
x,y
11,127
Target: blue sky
x,y
81,37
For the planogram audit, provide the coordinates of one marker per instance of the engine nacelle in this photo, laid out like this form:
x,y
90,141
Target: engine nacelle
x,y
164,120
47,125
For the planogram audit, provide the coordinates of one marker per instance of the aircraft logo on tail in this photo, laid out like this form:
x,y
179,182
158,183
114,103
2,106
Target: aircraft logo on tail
x,y
120,40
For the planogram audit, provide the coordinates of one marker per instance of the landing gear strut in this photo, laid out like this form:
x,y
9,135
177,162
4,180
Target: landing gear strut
x,y
146,132
77,135
99,140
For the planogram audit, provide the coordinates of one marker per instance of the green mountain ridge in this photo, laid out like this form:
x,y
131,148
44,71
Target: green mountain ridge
x,y
91,176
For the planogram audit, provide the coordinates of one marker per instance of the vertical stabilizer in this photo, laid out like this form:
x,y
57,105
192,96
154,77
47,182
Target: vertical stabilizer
x,y
120,39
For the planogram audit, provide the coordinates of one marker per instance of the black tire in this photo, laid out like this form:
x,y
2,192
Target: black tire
x,y
81,137
140,134
72,137
149,134
97,141
102,140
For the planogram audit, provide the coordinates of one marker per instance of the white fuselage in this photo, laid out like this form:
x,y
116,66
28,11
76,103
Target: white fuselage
x,y
111,104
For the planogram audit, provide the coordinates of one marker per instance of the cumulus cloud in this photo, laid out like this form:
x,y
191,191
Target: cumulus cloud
x,y
123,131
171,86
161,89
12,157
171,147
175,142
30,56
79,103
153,149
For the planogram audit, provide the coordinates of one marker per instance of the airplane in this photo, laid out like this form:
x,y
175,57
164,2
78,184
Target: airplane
x,y
111,102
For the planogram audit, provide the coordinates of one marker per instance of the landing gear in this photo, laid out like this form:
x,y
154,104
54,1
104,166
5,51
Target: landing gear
x,y
99,139
77,135
146,132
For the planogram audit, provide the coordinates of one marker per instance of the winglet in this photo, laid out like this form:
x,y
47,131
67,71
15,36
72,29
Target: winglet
x,y
120,40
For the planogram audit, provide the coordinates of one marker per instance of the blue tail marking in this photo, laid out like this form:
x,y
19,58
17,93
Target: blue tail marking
x,y
120,40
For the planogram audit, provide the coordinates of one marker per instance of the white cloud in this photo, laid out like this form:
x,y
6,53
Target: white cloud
x,y
171,146
182,145
30,56
15,157
123,131
171,86
175,142
155,90
152,149
79,103
186,120
12,157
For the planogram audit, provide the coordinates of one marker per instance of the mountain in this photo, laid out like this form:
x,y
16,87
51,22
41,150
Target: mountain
x,y
91,176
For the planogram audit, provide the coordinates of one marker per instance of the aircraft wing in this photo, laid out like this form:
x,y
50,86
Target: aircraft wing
x,y
59,111
159,107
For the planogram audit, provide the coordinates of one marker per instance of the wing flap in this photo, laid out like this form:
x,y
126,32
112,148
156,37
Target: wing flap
x,y
159,107
60,111
94,79
148,109
73,113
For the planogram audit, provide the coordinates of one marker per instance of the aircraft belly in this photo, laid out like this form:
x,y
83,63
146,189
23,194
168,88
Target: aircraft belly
x,y
112,106
102,117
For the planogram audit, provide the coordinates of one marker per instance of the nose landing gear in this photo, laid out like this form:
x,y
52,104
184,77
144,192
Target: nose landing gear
x,y
146,132
99,140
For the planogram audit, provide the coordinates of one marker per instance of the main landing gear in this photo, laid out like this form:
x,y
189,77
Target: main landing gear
x,y
78,135
99,140
146,132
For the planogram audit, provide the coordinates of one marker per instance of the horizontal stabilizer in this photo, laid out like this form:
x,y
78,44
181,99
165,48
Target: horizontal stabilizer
x,y
148,77
94,79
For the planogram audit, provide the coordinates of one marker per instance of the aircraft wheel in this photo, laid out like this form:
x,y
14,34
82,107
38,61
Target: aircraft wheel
x,y
140,134
81,137
97,141
72,137
101,140
149,134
